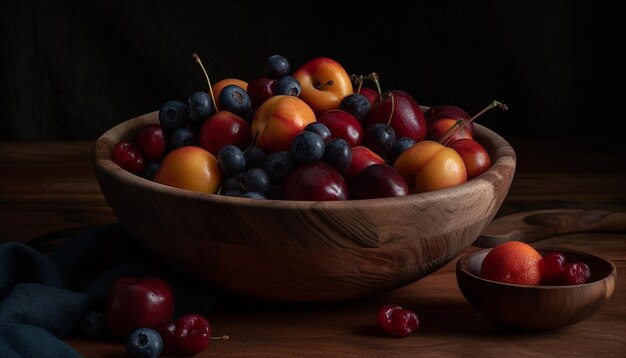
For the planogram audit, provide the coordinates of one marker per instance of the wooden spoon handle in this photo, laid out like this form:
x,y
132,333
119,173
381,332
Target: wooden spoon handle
x,y
535,225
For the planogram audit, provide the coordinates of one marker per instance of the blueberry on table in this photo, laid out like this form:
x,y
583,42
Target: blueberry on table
x,y
144,343
173,115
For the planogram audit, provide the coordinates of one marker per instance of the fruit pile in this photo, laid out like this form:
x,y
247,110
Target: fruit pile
x,y
519,263
141,310
312,134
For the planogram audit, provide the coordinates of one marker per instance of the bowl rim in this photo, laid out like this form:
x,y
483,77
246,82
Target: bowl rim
x,y
503,156
460,267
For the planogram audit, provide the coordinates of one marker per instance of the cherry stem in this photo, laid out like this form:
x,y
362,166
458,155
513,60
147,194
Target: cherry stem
x,y
460,122
197,59
256,135
329,83
358,90
374,78
371,77
393,107
224,337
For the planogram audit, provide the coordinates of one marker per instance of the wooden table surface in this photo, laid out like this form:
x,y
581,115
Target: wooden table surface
x,y
50,186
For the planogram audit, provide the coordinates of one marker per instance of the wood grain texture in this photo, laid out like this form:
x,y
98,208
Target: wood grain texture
x,y
530,226
304,251
555,173
537,307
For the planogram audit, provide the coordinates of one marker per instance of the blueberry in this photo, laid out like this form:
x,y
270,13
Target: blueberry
x,y
236,193
231,160
307,147
232,183
173,115
144,342
319,128
355,104
276,66
278,165
288,86
92,324
200,107
182,137
234,99
255,157
399,147
379,137
257,179
150,170
338,154
254,195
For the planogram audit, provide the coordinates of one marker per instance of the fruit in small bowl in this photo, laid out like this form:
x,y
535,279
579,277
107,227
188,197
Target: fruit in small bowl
x,y
537,307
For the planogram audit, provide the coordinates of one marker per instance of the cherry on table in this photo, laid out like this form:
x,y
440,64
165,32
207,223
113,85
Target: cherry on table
x,y
397,321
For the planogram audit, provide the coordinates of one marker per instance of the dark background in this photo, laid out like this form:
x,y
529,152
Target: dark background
x,y
72,69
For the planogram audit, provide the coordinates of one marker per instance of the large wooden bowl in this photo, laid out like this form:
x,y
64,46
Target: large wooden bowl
x,y
298,250
537,307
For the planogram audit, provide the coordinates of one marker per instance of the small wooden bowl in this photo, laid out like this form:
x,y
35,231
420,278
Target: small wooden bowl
x,y
537,307
303,250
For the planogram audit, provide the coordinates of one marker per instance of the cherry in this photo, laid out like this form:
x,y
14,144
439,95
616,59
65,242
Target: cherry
x,y
128,157
167,331
552,266
397,321
575,273
189,335
404,322
193,334
260,89
384,317
151,142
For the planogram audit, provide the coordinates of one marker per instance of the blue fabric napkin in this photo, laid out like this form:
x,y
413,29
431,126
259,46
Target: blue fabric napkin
x,y
44,298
